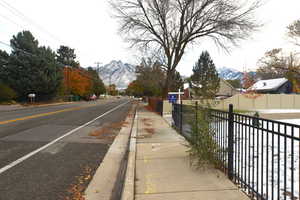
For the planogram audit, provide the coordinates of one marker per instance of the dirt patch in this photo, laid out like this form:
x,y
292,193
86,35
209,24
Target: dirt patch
x,y
100,132
109,131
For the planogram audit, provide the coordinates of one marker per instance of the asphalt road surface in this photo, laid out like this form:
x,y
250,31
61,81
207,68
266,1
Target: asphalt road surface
x,y
49,153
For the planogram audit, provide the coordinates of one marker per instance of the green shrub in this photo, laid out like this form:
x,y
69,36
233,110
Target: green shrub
x,y
6,93
202,147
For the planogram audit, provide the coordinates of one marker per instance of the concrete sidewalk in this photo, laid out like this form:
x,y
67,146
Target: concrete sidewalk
x,y
162,169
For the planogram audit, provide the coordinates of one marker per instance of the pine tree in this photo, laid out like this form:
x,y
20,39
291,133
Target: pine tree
x,y
3,65
205,80
176,82
98,85
67,56
32,69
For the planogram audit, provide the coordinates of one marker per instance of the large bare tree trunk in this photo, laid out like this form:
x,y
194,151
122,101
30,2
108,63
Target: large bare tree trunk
x,y
166,87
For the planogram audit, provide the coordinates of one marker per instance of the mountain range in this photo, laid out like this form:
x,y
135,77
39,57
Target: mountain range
x,y
121,74
229,73
118,73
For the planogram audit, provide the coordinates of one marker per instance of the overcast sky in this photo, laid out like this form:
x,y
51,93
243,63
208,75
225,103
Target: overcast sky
x,y
88,27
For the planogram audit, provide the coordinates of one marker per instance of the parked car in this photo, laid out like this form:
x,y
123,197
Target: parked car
x,y
93,97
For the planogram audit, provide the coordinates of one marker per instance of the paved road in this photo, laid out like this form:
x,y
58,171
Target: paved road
x,y
62,170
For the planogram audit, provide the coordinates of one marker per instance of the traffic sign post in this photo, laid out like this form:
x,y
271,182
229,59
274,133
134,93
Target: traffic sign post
x,y
172,98
174,95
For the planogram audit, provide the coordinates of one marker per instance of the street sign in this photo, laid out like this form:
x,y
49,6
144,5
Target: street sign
x,y
172,98
179,93
31,97
176,93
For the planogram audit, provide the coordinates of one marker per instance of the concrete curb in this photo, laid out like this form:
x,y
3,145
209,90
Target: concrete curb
x,y
128,189
103,183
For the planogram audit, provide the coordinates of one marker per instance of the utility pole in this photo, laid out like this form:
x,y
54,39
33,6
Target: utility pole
x,y
98,66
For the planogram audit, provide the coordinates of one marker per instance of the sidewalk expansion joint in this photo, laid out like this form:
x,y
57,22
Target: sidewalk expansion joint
x,y
189,191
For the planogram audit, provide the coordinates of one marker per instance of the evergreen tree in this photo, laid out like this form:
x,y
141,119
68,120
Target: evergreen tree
x,y
176,82
67,56
4,57
32,69
98,85
205,80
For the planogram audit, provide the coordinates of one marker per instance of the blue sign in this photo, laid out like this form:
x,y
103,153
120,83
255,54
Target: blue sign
x,y
172,98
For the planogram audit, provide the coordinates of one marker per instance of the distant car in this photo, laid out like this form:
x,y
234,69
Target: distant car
x,y
93,97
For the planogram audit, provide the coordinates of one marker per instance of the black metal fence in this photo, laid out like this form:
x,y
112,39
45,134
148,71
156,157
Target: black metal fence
x,y
259,155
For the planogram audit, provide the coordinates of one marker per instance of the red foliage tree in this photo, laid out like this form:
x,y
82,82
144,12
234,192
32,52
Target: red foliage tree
x,y
77,81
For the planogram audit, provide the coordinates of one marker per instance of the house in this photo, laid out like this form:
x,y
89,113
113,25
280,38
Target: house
x,y
272,86
226,90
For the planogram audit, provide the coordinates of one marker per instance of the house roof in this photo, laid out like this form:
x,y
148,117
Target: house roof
x,y
228,84
225,89
186,86
268,85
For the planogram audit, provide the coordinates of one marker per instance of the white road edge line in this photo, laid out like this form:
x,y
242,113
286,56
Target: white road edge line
x,y
16,162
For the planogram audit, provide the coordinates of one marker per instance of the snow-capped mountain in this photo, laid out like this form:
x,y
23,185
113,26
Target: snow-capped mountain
x,y
118,73
229,73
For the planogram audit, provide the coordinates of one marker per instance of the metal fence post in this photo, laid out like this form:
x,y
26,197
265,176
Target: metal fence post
x,y
230,142
196,116
181,117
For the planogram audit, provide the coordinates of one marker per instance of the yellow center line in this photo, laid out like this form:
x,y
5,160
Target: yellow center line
x,y
42,115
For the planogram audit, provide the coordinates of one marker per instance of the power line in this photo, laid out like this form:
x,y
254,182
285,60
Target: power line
x,y
10,20
22,16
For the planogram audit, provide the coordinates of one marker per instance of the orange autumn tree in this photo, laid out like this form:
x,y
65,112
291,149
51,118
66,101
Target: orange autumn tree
x,y
77,81
248,81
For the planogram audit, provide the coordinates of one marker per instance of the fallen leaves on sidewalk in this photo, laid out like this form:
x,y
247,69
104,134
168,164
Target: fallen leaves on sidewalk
x,y
147,122
76,191
149,130
149,133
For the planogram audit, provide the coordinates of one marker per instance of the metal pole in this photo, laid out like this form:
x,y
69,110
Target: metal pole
x,y
181,117
196,116
230,142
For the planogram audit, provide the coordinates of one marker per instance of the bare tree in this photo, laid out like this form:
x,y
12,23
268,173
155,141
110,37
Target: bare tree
x,y
294,32
171,25
277,65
